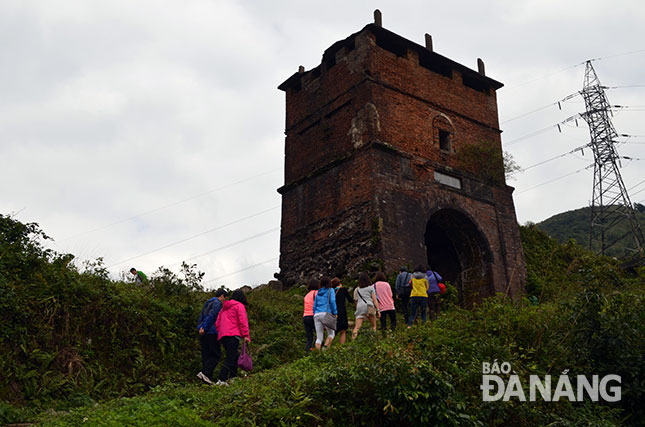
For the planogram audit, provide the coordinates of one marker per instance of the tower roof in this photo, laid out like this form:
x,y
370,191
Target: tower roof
x,y
397,43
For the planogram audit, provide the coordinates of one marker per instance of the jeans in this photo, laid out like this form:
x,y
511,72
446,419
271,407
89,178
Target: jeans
x,y
434,305
229,367
211,353
405,301
417,303
320,329
308,321
392,315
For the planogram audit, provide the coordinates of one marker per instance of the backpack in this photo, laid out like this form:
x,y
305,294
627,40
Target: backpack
x,y
442,288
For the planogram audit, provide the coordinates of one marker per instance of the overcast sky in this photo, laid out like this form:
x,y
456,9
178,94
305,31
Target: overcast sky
x,y
151,132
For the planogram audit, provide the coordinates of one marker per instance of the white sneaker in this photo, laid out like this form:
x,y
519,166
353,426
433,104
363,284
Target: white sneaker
x,y
220,382
204,378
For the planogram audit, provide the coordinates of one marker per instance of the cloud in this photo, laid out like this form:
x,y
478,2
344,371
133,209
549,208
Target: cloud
x,y
128,126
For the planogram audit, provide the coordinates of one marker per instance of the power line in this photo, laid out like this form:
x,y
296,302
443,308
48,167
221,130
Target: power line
x,y
636,185
616,55
564,122
529,135
566,98
530,112
255,236
545,76
555,179
574,66
14,214
241,270
195,235
170,205
537,132
622,87
552,158
639,191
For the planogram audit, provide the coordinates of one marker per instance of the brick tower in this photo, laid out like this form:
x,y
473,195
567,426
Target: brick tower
x,y
393,157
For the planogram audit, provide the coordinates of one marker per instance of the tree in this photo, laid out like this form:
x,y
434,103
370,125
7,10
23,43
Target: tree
x,y
487,161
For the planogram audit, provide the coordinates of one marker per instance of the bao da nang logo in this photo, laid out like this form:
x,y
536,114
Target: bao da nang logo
x,y
498,384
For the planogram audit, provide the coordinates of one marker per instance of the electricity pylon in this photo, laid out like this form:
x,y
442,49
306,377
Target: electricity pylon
x,y
610,204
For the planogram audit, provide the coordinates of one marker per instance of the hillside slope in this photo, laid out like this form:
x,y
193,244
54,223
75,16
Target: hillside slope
x,y
575,225
74,345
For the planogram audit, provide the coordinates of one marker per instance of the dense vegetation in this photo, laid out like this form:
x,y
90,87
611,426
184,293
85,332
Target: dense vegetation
x,y
575,225
70,338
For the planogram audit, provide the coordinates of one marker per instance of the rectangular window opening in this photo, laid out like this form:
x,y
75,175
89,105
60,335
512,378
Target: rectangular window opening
x,y
391,45
444,140
475,84
435,66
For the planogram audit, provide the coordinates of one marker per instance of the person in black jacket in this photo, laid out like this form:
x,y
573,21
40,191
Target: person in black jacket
x,y
403,289
342,295
211,350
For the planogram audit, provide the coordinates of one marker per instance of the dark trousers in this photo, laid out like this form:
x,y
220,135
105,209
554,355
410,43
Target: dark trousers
x,y
434,305
405,305
392,315
229,367
308,321
211,353
417,303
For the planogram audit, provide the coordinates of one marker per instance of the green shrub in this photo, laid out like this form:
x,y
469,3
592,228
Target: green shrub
x,y
70,339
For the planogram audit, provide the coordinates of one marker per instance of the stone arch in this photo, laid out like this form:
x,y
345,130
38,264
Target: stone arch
x,y
460,252
443,131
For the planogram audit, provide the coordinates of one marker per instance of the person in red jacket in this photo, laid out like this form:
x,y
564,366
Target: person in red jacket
x,y
232,326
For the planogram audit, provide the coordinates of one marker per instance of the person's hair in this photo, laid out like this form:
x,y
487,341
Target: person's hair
x,y
219,293
314,284
238,295
133,269
380,277
335,282
364,280
420,269
325,282
404,268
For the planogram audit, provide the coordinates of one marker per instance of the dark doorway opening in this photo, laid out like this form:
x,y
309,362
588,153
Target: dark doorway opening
x,y
459,252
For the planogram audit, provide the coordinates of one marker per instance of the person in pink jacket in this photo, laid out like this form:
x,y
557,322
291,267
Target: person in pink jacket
x,y
385,301
308,314
232,326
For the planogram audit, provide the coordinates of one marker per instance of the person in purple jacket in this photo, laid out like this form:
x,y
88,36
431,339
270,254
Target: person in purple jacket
x,y
434,293
211,350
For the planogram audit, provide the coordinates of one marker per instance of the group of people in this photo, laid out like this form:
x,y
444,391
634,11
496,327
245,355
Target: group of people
x,y
222,323
419,291
373,298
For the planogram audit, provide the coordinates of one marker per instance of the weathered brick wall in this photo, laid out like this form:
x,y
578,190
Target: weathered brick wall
x,y
327,222
361,150
407,197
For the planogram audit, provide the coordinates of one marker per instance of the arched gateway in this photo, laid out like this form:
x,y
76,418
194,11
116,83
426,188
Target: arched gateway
x,y
393,157
460,253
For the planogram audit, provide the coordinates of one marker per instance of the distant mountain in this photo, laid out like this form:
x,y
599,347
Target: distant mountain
x,y
575,225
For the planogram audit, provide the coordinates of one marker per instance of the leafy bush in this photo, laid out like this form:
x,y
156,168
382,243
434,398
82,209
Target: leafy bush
x,y
429,375
72,337
69,338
